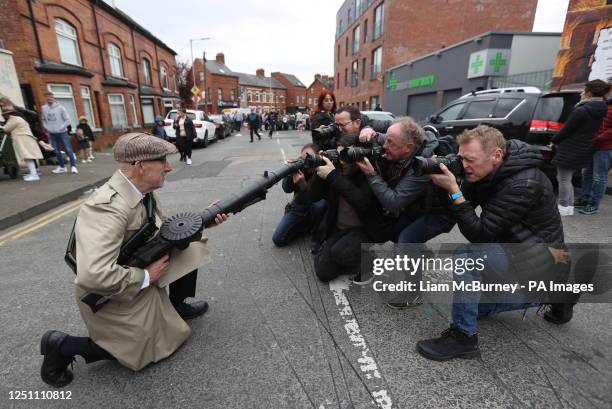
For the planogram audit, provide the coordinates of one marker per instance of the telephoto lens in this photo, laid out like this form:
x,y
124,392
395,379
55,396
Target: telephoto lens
x,y
357,153
327,131
431,166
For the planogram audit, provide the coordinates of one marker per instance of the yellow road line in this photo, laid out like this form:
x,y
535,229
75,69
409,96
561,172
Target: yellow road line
x,y
43,221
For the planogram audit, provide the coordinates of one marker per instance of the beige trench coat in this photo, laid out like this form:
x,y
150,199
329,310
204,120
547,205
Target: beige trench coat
x,y
137,326
24,143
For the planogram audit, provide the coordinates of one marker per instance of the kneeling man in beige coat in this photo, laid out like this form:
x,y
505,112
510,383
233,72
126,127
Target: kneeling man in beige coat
x,y
143,320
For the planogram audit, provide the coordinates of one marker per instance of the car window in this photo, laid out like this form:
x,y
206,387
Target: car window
x,y
172,116
555,108
479,109
452,112
505,106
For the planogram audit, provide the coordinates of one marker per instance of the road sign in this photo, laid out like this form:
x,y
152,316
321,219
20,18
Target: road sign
x,y
195,99
195,90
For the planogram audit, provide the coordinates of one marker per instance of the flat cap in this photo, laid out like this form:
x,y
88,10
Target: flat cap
x,y
139,146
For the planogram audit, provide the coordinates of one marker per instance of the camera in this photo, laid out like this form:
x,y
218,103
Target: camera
x,y
314,161
356,153
431,166
327,131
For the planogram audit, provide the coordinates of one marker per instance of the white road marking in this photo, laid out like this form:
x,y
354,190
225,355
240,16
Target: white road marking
x,y
283,153
367,363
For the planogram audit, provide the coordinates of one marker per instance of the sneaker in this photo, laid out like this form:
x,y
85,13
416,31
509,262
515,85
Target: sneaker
x,y
451,344
59,170
560,313
589,209
580,202
89,160
189,161
91,157
83,161
74,170
31,178
566,210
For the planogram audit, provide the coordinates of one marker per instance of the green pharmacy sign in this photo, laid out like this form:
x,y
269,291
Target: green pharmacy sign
x,y
392,85
489,62
426,81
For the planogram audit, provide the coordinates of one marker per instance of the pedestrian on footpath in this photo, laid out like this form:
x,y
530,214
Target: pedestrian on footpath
x,y
185,134
574,143
254,122
56,122
595,175
24,142
84,137
158,129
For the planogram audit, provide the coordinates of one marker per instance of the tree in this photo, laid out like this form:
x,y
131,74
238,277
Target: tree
x,y
183,71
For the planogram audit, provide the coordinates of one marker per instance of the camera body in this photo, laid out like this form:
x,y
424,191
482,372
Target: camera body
x,y
431,166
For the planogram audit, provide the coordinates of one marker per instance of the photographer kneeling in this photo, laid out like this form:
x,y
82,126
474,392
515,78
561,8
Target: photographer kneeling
x,y
399,188
353,216
518,206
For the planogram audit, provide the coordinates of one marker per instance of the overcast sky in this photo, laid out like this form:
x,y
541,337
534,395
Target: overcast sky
x,y
277,35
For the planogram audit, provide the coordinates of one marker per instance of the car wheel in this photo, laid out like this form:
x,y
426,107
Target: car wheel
x,y
205,141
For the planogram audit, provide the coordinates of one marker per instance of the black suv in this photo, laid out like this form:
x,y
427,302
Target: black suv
x,y
525,113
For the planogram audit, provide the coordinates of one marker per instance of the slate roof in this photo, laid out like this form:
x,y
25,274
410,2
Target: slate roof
x,y
294,80
254,80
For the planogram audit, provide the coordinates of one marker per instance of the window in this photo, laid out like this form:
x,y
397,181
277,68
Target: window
x,y
338,55
359,6
479,109
114,56
146,71
219,94
232,95
134,112
349,16
201,76
346,77
356,39
67,42
365,31
373,101
164,77
257,97
363,69
338,80
378,21
63,95
87,107
148,113
354,74
346,46
505,106
376,62
451,113
249,97
117,110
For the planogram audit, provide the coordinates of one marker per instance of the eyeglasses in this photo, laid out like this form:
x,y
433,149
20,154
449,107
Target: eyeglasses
x,y
339,125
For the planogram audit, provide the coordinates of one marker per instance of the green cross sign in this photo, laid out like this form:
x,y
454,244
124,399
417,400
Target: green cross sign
x,y
477,64
497,62
392,83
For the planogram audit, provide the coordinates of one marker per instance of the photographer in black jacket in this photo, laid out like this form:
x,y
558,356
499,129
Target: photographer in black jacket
x,y
409,197
353,216
518,206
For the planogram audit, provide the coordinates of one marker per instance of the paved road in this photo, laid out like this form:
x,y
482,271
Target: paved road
x,y
277,338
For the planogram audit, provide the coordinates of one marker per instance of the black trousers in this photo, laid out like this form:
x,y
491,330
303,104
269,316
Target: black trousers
x,y
184,144
90,351
340,254
253,128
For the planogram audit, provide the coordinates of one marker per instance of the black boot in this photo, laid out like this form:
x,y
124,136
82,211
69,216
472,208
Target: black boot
x,y
54,370
560,313
451,344
190,311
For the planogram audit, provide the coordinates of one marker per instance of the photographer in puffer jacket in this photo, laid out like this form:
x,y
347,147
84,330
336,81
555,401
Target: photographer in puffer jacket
x,y
518,206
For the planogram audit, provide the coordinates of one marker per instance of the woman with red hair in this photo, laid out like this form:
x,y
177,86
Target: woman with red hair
x,y
324,116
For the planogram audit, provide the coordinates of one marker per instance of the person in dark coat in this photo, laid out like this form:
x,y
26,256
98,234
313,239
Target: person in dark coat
x,y
518,206
574,143
254,122
326,109
185,134
158,129
595,175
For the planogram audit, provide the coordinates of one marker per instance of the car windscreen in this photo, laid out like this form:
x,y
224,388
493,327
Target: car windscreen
x,y
172,116
555,108
380,117
216,118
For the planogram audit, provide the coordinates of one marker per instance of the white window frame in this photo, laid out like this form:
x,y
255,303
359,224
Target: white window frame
x,y
110,103
219,94
114,60
379,27
376,66
146,72
163,73
135,123
66,30
67,94
86,98
356,39
149,102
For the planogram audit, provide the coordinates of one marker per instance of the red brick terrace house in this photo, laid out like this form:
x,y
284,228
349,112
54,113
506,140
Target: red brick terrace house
x,y
313,91
95,59
219,86
296,91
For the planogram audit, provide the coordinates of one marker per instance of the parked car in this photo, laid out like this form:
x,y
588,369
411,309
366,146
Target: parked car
x,y
223,127
379,115
524,113
205,128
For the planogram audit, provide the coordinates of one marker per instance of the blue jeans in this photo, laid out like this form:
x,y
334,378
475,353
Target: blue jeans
x,y
467,310
424,228
595,177
57,139
299,220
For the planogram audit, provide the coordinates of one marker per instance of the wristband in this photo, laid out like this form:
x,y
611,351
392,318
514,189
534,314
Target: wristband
x,y
456,196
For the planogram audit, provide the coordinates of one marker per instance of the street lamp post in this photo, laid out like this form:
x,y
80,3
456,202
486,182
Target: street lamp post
x,y
191,40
